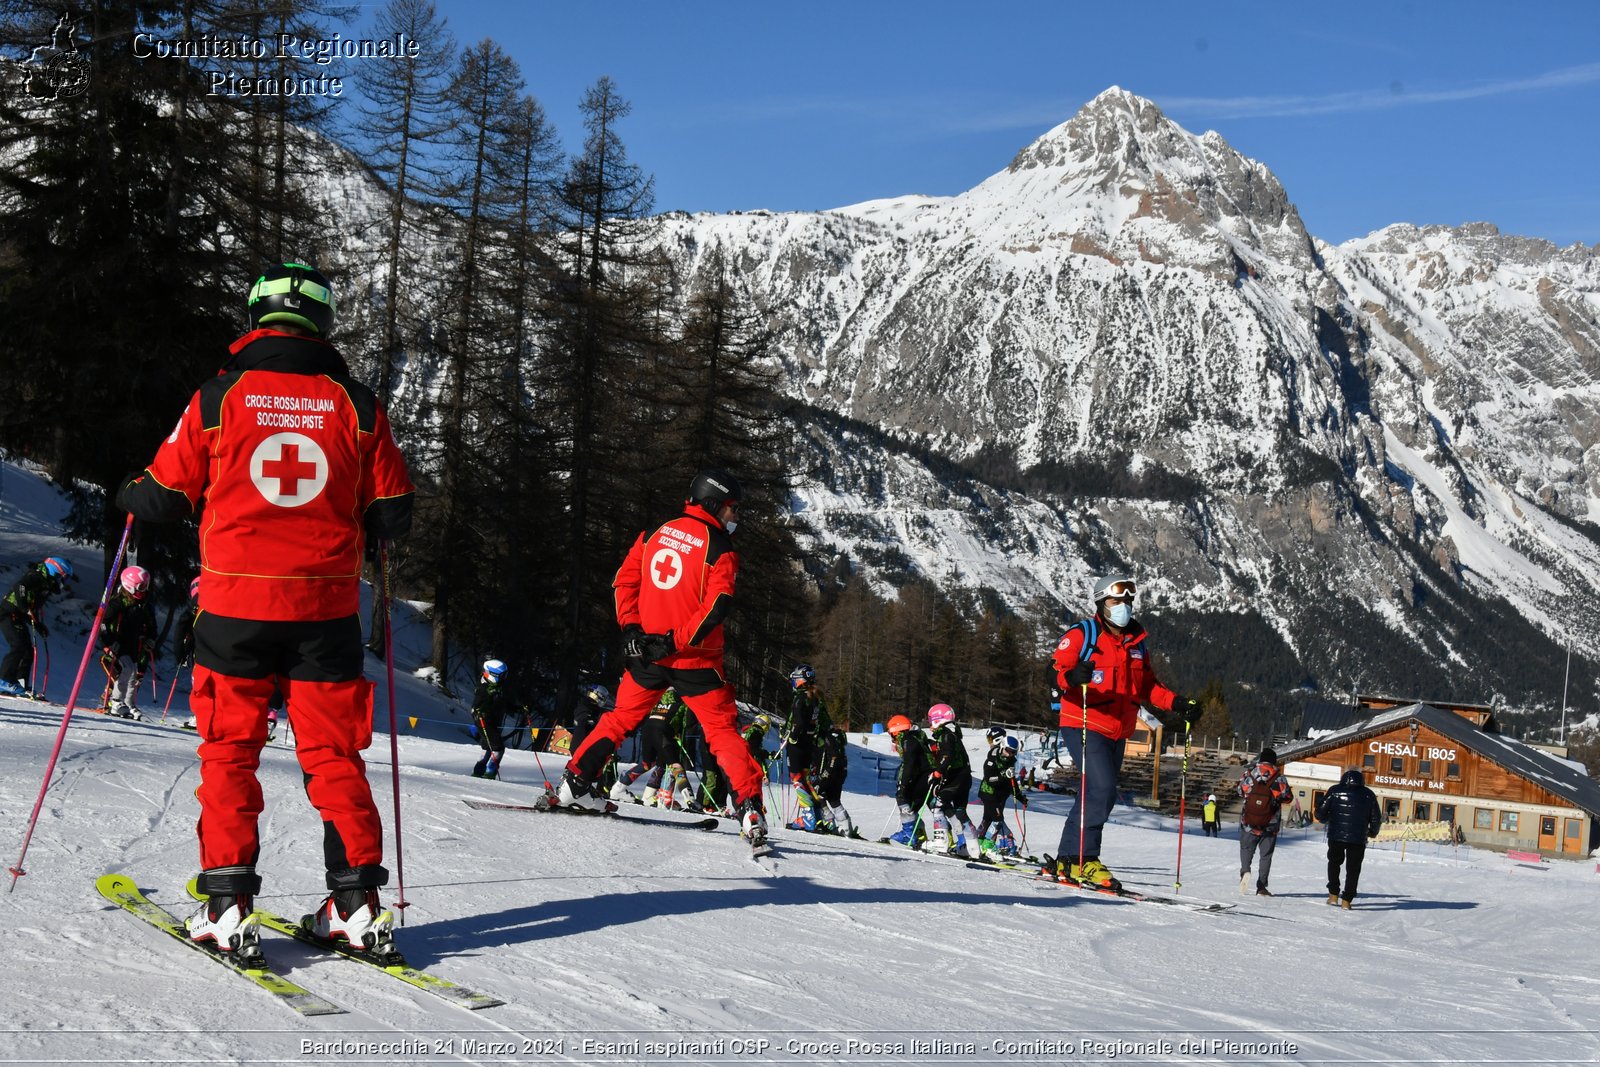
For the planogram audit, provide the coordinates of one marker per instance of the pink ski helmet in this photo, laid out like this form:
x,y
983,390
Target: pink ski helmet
x,y
194,587
940,714
135,582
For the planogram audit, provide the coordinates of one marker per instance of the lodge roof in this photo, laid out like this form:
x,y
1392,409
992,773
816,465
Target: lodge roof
x,y
1544,770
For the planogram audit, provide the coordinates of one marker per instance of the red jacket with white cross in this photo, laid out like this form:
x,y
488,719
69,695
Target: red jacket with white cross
x,y
291,463
679,577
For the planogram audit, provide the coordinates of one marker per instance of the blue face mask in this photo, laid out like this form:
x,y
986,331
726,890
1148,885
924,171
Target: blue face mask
x,y
1119,614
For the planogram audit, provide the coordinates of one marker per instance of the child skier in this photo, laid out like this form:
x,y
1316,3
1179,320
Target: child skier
x,y
127,633
833,763
490,703
24,607
807,725
952,784
911,790
998,784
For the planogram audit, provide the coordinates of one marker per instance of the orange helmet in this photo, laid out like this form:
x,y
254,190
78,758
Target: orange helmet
x,y
899,724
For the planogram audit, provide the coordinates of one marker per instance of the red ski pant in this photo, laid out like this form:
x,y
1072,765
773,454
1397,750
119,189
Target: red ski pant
x,y
332,725
713,708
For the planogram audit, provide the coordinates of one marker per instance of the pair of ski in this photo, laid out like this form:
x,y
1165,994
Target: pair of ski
x,y
1139,894
123,892
548,803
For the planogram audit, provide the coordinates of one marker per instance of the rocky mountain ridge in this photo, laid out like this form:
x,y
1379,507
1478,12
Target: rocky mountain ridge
x,y
1135,355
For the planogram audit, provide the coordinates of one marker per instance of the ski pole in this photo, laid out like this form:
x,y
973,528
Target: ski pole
x,y
1083,777
33,672
394,728
44,643
171,689
18,871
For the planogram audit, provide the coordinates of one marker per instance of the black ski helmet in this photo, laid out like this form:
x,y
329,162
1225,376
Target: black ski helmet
x,y
713,488
295,294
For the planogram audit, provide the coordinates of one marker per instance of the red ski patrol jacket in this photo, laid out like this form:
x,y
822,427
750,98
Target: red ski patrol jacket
x,y
295,462
1123,679
679,577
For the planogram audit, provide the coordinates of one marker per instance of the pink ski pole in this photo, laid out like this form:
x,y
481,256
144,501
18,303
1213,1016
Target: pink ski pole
x,y
17,871
171,689
394,728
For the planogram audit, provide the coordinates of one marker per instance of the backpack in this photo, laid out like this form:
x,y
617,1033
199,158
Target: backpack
x,y
1260,807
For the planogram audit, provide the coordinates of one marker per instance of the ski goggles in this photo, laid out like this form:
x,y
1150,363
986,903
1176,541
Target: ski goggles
x,y
1119,591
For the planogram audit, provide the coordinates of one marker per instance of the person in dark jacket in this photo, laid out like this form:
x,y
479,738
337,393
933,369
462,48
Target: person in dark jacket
x,y
23,607
1353,816
999,783
491,701
911,788
127,638
952,831
803,734
833,764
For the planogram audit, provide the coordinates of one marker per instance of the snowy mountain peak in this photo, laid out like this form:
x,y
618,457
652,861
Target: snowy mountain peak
x,y
1122,181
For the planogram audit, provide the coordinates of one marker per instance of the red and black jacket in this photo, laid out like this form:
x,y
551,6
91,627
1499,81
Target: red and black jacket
x,y
294,462
679,577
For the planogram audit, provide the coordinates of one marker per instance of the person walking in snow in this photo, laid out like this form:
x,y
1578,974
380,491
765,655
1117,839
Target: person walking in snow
x,y
999,784
1354,817
914,781
491,701
1210,816
673,592
1265,791
952,830
1102,668
296,468
127,636
22,609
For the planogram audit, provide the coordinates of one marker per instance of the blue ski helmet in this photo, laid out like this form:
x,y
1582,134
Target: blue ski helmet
x,y
56,567
493,670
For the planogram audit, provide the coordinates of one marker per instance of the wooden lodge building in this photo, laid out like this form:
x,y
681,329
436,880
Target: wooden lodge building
x,y
1449,764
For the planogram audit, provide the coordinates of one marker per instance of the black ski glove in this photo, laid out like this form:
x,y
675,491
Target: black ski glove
x,y
1185,711
1081,674
633,637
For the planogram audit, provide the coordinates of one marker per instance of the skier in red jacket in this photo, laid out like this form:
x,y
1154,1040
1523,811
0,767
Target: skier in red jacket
x,y
673,591
294,466
1102,668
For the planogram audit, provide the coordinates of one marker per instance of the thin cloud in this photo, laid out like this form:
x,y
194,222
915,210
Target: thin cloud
x,y
1247,107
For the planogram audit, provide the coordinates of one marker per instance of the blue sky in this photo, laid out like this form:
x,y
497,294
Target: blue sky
x,y
1368,113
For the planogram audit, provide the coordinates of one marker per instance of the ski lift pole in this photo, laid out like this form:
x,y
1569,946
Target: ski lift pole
x,y
1183,799
394,727
17,871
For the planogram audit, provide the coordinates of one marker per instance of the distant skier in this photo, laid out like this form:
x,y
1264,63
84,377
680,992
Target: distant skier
x,y
999,784
672,592
1211,816
23,607
184,634
287,516
952,830
491,701
127,637
833,765
1265,792
912,785
802,736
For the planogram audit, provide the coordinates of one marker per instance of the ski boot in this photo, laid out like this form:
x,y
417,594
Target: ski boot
x,y
577,793
229,923
1091,872
10,689
355,917
125,711
753,824
619,793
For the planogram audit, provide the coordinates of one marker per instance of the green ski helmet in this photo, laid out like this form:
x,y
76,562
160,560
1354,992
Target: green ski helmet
x,y
294,294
